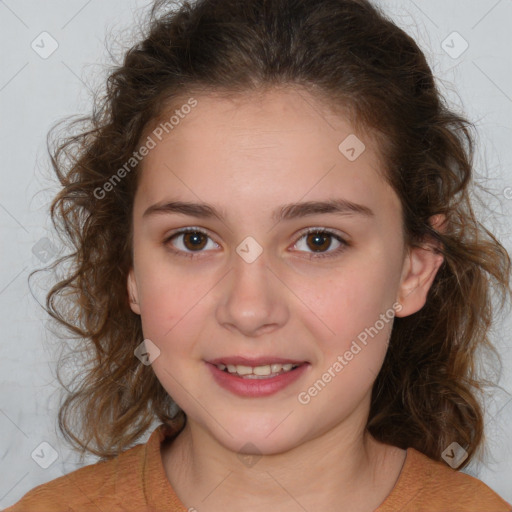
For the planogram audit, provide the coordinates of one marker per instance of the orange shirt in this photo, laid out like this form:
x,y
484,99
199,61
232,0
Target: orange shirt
x,y
135,481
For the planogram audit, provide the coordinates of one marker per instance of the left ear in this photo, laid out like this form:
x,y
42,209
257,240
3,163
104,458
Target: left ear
x,y
419,271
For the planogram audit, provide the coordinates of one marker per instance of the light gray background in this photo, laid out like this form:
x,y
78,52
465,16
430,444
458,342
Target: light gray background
x,y
35,92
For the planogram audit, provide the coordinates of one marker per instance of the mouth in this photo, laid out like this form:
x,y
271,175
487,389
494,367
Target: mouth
x,y
266,371
260,377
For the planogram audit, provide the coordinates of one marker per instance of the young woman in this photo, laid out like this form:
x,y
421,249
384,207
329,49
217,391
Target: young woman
x,y
274,256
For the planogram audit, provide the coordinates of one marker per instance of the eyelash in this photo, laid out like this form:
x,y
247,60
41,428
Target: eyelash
x,y
313,256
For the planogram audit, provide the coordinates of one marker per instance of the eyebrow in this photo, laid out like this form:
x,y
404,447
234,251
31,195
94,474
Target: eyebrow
x,y
284,212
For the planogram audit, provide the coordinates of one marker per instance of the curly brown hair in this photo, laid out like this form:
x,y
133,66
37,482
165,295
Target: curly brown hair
x,y
350,55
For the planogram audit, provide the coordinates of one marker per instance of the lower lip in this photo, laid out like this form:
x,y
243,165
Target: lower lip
x,y
256,387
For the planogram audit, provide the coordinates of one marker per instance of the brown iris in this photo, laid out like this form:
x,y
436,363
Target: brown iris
x,y
197,240
316,239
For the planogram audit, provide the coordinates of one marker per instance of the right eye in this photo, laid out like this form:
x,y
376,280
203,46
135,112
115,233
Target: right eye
x,y
189,241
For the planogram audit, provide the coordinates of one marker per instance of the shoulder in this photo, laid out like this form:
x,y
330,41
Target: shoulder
x,y
425,484
105,485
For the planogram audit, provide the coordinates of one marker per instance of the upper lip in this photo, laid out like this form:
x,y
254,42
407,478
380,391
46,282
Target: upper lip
x,y
253,361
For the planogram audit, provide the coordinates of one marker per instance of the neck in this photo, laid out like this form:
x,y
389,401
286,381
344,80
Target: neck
x,y
343,467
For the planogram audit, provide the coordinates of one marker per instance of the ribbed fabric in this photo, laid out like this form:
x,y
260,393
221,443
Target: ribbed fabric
x,y
135,481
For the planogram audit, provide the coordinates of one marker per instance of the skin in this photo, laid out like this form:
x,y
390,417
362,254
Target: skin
x,y
248,156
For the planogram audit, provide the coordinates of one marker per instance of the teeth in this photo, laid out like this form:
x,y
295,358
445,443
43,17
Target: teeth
x,y
263,370
257,371
243,370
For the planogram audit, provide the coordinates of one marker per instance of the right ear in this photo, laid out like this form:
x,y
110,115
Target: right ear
x,y
133,292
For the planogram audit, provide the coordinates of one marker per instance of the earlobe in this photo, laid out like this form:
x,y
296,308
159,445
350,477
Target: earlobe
x,y
420,269
133,292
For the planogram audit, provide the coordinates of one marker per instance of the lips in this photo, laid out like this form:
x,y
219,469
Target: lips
x,y
256,377
262,367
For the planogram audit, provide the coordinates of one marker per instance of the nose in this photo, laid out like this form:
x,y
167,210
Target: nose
x,y
253,299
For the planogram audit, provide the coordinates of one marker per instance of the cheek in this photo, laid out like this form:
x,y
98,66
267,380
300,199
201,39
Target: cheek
x,y
350,300
169,300
173,318
352,338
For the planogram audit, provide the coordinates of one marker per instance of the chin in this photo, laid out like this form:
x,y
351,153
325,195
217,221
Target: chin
x,y
262,437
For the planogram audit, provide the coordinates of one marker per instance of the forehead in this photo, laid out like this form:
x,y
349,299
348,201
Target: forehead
x,y
260,149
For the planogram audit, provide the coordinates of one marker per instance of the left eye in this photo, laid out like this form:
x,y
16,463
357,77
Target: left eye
x,y
320,240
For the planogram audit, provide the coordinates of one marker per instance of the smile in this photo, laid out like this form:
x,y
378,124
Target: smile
x,y
260,379
267,371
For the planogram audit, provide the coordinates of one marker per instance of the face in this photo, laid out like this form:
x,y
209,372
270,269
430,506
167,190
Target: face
x,y
255,285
